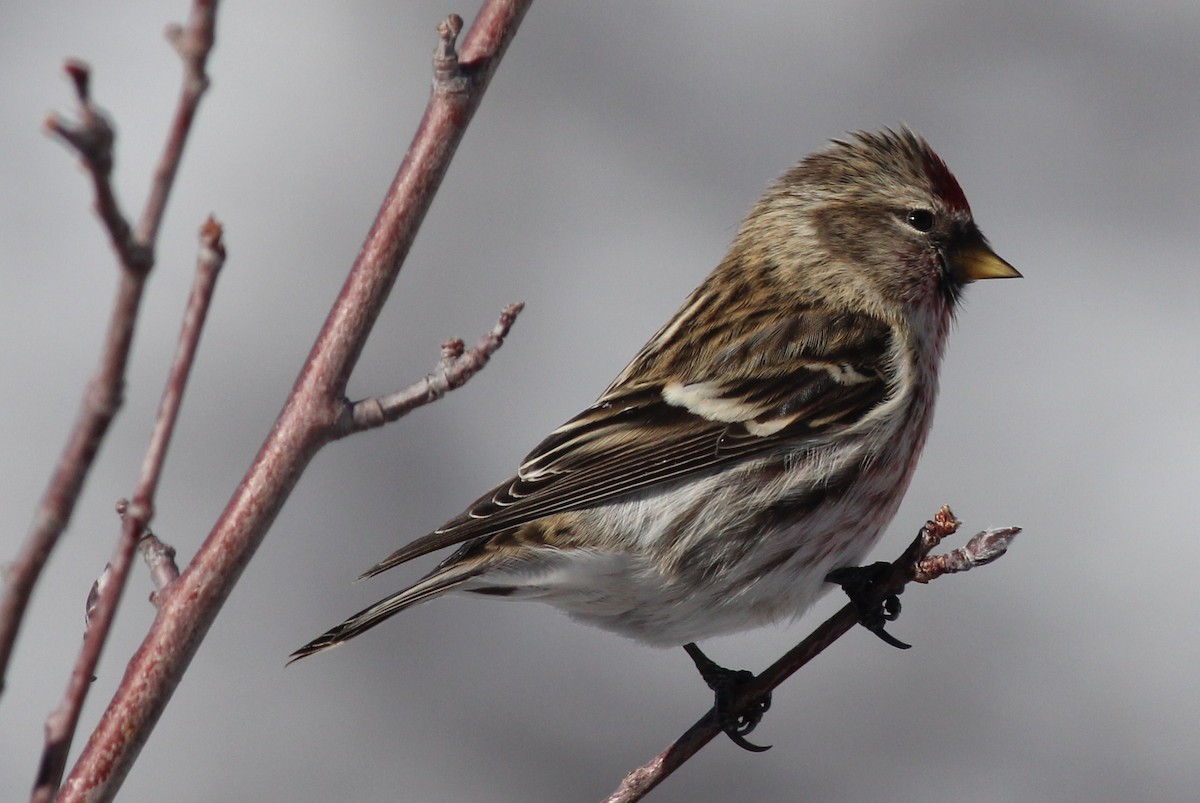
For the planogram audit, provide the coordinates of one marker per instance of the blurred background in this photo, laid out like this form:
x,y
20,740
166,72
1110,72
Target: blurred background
x,y
603,177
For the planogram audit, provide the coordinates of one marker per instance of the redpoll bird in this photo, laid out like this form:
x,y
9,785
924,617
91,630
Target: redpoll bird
x,y
762,438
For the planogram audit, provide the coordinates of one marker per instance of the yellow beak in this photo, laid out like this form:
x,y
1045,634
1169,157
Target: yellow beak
x,y
975,260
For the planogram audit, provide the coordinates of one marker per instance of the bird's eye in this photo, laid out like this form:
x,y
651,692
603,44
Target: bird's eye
x,y
919,219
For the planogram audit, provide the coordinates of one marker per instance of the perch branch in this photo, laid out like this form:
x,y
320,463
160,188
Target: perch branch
x,y
914,564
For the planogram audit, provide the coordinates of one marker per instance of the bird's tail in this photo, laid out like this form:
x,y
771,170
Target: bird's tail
x,y
443,579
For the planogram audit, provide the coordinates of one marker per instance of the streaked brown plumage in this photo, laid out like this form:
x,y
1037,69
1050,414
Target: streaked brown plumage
x,y
764,436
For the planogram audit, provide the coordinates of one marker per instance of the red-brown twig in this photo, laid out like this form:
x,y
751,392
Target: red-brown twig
x,y
92,137
316,411
455,368
61,724
914,564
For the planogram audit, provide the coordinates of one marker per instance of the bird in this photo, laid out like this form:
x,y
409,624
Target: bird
x,y
761,440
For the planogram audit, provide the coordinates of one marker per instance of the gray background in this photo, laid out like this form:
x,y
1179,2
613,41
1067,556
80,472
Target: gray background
x,y
603,177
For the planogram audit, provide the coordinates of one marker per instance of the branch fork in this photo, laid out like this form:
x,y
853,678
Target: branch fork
x,y
456,366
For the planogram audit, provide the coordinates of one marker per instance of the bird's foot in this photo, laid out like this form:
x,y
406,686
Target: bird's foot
x,y
861,584
726,685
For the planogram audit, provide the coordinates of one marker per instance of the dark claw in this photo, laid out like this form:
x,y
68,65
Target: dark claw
x,y
726,684
860,584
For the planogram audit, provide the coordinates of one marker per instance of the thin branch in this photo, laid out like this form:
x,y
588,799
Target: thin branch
x,y
193,42
61,724
455,368
914,564
92,138
208,267
312,416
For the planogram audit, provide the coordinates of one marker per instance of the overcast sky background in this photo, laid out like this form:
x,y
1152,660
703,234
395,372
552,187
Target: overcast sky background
x,y
603,177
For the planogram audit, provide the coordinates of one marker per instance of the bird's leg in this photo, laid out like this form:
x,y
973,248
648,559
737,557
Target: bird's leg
x,y
861,584
726,684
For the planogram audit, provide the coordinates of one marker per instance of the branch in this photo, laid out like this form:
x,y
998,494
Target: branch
x,y
456,367
914,564
92,138
106,594
314,414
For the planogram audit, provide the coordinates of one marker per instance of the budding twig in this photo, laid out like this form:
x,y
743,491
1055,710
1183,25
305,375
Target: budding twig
x,y
979,551
92,137
456,366
914,564
449,77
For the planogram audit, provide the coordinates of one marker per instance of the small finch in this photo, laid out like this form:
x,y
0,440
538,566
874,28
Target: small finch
x,y
763,438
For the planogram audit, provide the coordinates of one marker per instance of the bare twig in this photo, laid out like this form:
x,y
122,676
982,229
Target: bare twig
x,y
92,138
61,724
914,564
315,412
209,262
193,42
455,368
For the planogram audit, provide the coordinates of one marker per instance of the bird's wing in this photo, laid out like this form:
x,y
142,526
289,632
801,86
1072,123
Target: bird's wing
x,y
806,377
